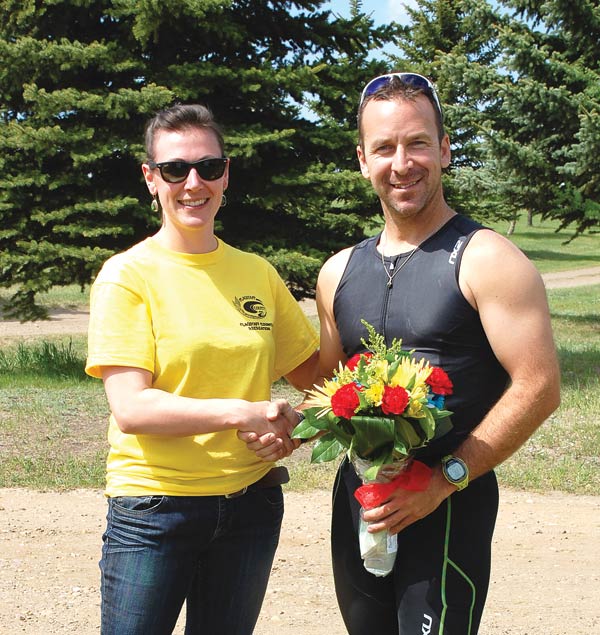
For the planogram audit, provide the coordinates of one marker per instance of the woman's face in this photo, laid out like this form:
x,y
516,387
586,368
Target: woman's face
x,y
189,208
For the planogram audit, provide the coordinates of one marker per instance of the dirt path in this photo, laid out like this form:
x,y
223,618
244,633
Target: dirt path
x,y
546,572
575,278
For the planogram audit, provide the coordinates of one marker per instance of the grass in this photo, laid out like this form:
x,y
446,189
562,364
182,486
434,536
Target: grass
x,y
53,418
550,249
564,454
44,358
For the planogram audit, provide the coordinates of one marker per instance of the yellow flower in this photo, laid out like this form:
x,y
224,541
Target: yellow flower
x,y
378,369
419,392
320,396
374,393
417,397
409,370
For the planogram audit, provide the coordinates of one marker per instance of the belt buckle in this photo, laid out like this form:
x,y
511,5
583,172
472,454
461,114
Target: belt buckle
x,y
237,494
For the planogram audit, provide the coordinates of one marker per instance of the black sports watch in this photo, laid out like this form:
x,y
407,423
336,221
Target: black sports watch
x,y
456,471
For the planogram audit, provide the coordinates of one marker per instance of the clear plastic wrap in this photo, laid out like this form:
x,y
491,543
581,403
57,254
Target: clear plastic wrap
x,y
378,550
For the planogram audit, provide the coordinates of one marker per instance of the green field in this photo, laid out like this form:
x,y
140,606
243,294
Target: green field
x,y
53,418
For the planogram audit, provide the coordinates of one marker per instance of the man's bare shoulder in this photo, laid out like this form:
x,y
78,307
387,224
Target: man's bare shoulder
x,y
488,248
335,265
492,262
329,277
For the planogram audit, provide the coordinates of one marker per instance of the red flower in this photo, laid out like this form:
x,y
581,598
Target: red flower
x,y
439,382
344,401
394,400
352,363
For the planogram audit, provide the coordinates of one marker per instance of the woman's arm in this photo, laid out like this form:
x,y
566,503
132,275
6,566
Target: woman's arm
x,y
138,408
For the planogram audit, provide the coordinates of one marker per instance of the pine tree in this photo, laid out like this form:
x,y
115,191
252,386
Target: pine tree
x,y
549,133
80,78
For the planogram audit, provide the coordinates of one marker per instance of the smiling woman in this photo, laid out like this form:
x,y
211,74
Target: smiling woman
x,y
187,174
188,353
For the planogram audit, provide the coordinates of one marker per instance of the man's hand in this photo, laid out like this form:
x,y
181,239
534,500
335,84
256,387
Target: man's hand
x,y
404,507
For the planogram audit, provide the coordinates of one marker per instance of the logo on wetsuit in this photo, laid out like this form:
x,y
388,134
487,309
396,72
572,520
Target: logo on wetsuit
x,y
454,254
426,626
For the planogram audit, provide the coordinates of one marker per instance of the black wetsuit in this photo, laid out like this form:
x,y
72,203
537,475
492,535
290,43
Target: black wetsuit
x,y
441,576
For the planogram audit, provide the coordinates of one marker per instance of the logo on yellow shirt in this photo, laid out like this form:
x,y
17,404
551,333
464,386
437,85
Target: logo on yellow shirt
x,y
251,307
254,309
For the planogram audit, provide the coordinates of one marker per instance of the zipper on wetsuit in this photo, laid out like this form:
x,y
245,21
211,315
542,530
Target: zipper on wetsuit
x,y
385,305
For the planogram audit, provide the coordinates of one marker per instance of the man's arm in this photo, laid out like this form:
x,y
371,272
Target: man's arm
x,y
305,375
509,294
507,291
332,352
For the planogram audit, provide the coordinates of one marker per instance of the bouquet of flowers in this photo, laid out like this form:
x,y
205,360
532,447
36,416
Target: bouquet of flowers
x,y
380,408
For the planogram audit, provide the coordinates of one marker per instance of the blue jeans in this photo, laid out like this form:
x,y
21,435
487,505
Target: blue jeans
x,y
216,553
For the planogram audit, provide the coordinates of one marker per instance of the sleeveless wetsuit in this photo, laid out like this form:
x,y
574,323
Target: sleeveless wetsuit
x,y
441,575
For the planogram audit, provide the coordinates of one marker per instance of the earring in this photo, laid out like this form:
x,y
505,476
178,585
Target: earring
x,y
223,201
154,205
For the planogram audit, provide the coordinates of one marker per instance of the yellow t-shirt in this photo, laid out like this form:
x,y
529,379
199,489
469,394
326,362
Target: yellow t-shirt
x,y
216,325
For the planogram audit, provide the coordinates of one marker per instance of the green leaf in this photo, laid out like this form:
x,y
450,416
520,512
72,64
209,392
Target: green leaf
x,y
326,448
406,433
401,447
341,434
427,422
310,414
371,473
392,368
361,370
305,430
442,426
362,400
371,433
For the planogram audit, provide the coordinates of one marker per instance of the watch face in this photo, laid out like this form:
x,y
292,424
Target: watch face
x,y
455,470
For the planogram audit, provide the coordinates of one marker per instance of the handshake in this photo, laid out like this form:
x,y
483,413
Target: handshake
x,y
268,428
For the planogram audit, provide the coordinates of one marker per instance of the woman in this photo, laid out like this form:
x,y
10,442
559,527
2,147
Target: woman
x,y
188,334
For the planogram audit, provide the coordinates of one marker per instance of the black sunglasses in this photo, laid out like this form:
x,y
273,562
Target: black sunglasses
x,y
178,171
410,79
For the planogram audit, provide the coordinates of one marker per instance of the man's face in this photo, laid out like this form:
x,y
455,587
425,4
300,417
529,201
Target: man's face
x,y
402,155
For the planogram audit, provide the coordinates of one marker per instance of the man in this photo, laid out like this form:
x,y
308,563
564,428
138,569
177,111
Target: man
x,y
470,302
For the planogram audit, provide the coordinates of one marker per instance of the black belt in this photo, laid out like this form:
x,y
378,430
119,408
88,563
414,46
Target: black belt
x,y
276,476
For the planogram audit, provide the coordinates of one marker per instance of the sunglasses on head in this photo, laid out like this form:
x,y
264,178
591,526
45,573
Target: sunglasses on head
x,y
409,79
178,171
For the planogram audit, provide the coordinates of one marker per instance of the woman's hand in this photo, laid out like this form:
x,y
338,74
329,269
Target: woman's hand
x,y
270,446
138,408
